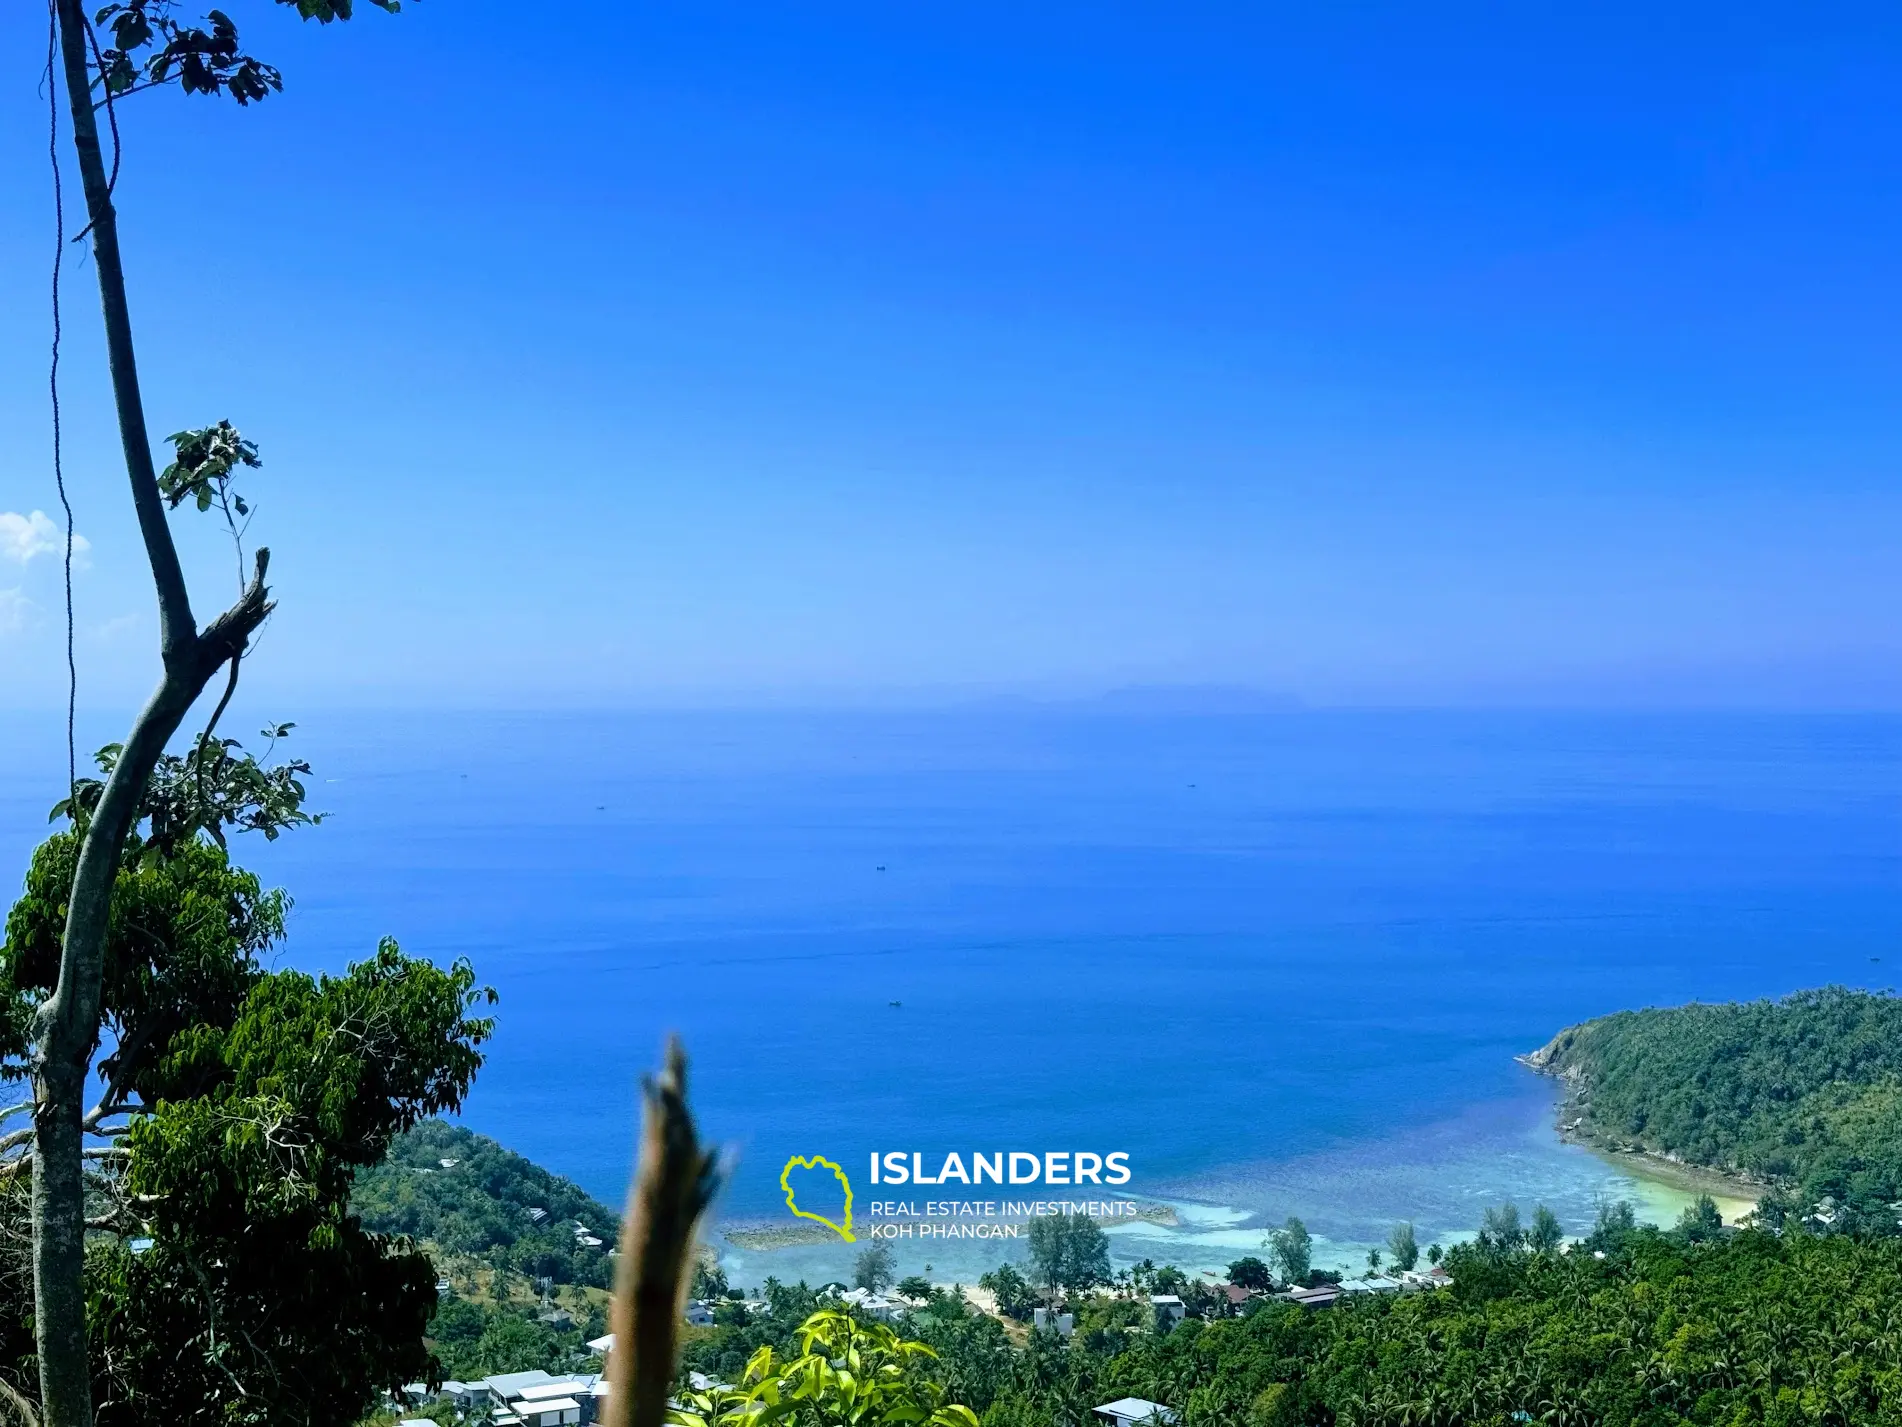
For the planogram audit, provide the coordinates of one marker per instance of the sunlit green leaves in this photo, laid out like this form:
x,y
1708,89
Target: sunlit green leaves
x,y
214,788
202,468
256,1097
312,1078
847,1372
182,945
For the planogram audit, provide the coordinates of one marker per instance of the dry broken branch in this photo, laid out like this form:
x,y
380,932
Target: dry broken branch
x,y
674,1183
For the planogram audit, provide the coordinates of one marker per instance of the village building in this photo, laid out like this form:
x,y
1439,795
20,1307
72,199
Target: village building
x,y
1135,1412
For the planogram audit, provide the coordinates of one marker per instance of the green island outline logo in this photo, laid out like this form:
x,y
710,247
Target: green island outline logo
x,y
814,1162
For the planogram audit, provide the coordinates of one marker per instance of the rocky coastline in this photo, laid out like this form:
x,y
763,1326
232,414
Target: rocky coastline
x,y
1575,1126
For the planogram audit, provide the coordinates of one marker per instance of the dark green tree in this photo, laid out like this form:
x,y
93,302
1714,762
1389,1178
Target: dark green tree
x,y
1615,1219
1404,1247
1500,1230
509,1343
1700,1222
1250,1273
1545,1233
875,1267
237,1105
1014,1295
1293,1249
1068,1253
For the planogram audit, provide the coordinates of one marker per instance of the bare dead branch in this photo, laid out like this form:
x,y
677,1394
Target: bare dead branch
x,y
674,1183
16,1401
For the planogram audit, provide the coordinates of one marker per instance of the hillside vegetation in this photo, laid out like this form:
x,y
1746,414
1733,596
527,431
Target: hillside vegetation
x,y
1750,1329
520,1289
1804,1092
1634,1326
482,1206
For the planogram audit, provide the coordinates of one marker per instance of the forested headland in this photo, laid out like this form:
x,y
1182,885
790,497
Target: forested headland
x,y
1788,1319
522,1253
1801,1095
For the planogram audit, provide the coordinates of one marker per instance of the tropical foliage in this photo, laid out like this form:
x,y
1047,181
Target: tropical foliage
x,y
462,1194
1012,1291
844,1371
1741,1329
226,1275
1805,1093
508,1238
1068,1251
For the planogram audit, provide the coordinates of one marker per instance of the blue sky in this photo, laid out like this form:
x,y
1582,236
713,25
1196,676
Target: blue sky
x,y
701,353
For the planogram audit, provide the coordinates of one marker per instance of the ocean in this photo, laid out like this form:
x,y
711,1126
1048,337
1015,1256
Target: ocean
x,y
1283,961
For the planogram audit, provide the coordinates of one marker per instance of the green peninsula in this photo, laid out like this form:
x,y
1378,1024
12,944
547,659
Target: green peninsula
x,y
1801,1098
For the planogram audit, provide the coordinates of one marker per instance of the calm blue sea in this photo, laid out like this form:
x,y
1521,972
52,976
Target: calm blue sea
x,y
1284,961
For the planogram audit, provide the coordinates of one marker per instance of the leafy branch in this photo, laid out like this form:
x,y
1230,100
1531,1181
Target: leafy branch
x,y
201,472
151,47
215,787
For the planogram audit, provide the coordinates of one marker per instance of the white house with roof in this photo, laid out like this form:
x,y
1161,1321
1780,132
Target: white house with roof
x,y
539,1399
503,1388
464,1396
1169,1304
1064,1323
559,1408
874,1305
1135,1412
1378,1284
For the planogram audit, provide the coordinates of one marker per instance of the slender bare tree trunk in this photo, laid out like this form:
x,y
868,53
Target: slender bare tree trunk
x,y
674,1183
67,1029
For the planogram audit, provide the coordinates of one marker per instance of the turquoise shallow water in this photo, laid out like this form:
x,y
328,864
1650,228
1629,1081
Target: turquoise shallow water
x,y
1283,961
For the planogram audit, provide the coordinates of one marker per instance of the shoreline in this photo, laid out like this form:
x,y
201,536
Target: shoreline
x,y
767,1236
1729,1188
1659,1187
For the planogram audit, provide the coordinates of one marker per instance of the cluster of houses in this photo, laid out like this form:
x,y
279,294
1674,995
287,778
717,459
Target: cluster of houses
x,y
863,1301
1170,1307
539,1399
1404,1281
584,1236
516,1399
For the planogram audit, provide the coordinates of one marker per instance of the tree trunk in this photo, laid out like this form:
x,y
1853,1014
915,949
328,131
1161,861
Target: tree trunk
x,y
67,1027
674,1182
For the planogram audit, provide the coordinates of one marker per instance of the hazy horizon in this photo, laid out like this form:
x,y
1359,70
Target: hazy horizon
x,y
1373,358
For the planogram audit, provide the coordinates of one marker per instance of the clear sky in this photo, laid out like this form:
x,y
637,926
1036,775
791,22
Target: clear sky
x,y
675,353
